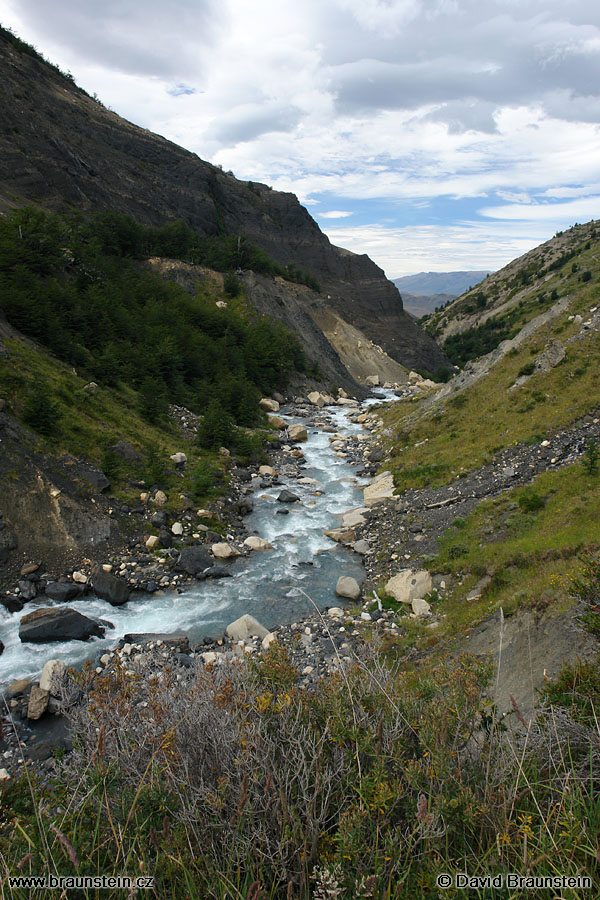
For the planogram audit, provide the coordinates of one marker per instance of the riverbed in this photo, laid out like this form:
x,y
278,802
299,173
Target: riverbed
x,y
275,586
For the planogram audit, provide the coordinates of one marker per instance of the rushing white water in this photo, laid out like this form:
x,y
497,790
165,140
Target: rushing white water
x,y
273,585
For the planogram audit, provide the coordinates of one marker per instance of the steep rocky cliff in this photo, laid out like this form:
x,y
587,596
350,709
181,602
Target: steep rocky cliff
x,y
64,150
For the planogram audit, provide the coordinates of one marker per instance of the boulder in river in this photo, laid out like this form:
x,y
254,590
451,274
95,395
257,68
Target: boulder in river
x,y
13,604
254,542
297,433
287,497
341,535
216,572
194,559
63,593
347,587
63,624
110,587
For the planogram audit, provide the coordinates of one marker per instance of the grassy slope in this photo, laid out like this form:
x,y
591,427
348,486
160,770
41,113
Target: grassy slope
x,y
89,423
465,431
529,555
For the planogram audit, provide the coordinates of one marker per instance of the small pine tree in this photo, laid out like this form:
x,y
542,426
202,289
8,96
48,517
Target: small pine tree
x,y
592,454
41,412
217,427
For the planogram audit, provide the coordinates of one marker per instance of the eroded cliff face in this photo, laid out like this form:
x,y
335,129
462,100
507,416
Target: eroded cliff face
x,y
286,301
64,150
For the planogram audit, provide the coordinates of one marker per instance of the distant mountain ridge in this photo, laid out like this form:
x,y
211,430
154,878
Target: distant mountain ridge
x,y
427,283
426,291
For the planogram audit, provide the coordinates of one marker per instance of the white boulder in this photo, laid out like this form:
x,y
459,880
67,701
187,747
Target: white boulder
x,y
347,587
420,607
254,542
244,627
268,404
224,551
409,584
297,433
381,488
52,675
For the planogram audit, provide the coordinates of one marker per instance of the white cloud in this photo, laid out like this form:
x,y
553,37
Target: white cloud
x,y
335,214
408,104
582,210
442,248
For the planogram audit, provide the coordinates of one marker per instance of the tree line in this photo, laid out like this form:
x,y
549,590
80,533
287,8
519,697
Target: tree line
x,y
75,286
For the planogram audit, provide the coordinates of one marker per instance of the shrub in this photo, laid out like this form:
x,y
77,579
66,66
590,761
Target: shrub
x,y
232,285
531,501
41,412
216,428
203,479
527,369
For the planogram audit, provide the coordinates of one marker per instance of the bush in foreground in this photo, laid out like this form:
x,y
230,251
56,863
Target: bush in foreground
x,y
230,782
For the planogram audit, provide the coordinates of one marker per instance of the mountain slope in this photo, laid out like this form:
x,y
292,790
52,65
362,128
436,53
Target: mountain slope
x,y
64,150
519,292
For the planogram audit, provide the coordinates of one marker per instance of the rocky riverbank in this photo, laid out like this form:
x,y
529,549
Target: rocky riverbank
x,y
391,534
193,552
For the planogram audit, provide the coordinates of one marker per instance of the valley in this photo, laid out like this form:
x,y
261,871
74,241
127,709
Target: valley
x,y
299,597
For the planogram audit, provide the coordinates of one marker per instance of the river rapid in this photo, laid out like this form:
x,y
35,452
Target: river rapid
x,y
274,586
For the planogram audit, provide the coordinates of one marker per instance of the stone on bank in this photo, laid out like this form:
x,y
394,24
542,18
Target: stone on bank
x,y
409,584
347,587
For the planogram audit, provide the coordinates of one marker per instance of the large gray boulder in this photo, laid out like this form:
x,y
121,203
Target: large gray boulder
x,y
64,624
63,593
552,355
287,497
126,452
97,479
110,587
347,587
194,559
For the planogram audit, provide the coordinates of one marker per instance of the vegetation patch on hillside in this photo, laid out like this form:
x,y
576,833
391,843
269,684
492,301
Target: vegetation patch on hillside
x,y
69,418
528,542
74,287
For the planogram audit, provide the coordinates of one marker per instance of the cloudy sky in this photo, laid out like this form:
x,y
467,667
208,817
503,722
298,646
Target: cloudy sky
x,y
431,134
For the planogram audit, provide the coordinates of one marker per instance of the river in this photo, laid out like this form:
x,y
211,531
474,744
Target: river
x,y
273,586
